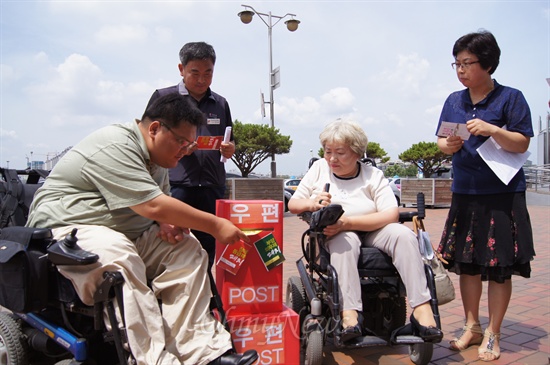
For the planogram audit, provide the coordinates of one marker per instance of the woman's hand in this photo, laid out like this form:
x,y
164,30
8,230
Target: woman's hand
x,y
450,145
510,141
337,227
477,127
171,233
322,200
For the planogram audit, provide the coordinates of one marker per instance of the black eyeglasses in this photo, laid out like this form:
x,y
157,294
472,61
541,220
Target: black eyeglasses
x,y
180,140
465,65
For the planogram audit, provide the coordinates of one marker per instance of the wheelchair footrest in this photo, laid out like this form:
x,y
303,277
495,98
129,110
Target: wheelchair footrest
x,y
407,340
364,341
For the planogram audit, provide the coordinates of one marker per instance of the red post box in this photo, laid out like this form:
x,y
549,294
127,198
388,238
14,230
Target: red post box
x,y
276,336
252,288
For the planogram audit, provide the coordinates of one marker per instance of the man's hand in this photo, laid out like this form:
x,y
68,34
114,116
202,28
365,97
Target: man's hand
x,y
227,233
227,149
171,233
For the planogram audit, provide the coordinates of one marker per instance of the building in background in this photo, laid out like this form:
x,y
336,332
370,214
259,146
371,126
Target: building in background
x,y
543,139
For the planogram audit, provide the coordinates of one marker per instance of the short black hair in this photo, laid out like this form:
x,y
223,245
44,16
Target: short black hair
x,y
197,51
484,45
174,109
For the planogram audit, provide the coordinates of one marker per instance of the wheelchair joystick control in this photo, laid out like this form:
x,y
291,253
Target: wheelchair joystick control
x,y
67,252
71,239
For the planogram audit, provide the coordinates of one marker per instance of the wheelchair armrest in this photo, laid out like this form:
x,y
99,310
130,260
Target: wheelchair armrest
x,y
407,216
305,216
325,216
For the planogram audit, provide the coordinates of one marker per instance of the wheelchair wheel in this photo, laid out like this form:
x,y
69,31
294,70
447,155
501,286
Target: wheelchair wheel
x,y
13,348
421,353
296,297
314,348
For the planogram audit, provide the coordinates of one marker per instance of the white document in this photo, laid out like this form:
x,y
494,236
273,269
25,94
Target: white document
x,y
226,138
453,129
503,163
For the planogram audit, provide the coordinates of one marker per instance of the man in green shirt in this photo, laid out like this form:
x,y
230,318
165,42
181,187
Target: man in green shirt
x,y
113,187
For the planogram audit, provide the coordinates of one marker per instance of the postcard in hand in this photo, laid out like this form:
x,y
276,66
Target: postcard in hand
x,y
209,142
453,129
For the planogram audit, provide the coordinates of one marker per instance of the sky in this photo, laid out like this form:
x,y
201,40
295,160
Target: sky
x,y
71,67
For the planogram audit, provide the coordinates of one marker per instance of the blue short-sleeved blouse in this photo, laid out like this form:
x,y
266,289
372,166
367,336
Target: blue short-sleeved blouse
x,y
504,106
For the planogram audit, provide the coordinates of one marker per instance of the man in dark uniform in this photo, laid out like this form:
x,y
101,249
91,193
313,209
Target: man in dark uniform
x,y
199,177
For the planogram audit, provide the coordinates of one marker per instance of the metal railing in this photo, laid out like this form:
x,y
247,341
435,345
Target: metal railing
x,y
538,178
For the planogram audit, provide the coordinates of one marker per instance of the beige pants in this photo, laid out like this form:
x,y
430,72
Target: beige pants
x,y
182,331
396,240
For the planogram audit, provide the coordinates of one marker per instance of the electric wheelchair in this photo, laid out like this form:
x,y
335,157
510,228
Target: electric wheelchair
x,y
48,323
314,295
43,321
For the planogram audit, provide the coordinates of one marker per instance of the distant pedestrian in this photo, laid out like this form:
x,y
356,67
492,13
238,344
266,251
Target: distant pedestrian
x,y
487,235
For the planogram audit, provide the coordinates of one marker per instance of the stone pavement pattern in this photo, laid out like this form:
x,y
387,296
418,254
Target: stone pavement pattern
x,y
526,324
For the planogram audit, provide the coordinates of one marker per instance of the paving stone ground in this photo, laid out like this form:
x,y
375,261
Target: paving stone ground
x,y
527,322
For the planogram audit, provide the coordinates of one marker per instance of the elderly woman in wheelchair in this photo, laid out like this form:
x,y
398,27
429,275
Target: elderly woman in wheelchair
x,y
370,219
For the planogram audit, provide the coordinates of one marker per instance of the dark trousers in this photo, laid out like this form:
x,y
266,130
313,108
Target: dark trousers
x,y
202,198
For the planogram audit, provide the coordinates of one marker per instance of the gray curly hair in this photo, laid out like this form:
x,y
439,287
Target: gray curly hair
x,y
347,132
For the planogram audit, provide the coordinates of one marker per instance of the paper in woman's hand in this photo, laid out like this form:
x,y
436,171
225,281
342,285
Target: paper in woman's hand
x,y
503,163
453,129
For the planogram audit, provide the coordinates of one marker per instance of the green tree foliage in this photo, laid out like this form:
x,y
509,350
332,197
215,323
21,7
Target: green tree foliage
x,y
255,143
401,170
377,153
411,171
426,156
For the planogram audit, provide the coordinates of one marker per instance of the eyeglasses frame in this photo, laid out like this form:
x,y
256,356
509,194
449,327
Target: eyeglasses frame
x,y
180,140
465,65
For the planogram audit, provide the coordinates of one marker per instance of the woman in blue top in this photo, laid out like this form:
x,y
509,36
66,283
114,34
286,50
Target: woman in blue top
x,y
487,235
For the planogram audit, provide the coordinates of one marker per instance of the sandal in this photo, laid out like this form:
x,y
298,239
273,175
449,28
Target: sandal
x,y
458,345
490,349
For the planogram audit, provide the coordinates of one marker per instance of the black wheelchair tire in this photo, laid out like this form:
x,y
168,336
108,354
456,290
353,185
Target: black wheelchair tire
x,y
296,298
13,347
314,348
421,353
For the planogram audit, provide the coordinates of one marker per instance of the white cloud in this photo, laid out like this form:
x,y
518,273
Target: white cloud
x,y
337,99
407,76
7,134
8,74
434,110
121,34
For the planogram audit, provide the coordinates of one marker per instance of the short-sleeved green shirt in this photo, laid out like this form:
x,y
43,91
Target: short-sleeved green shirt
x,y
97,181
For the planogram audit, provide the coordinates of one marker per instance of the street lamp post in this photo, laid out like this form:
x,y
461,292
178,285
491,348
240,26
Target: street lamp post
x,y
291,24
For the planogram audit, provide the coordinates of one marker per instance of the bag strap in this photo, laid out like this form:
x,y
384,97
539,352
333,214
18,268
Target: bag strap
x,y
12,198
34,175
418,224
